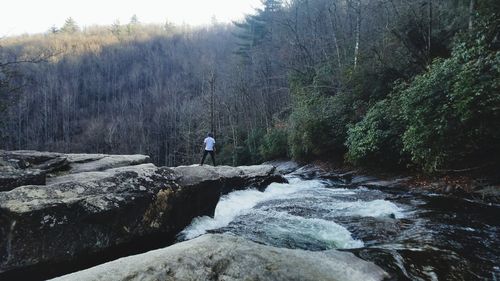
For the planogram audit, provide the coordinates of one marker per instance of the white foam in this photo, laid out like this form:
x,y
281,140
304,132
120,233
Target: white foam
x,y
375,208
239,202
298,193
297,228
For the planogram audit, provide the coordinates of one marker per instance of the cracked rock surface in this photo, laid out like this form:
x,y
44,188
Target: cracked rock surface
x,y
225,257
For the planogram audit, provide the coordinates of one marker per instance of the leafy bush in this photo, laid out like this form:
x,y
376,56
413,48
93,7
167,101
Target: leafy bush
x,y
275,144
245,151
253,143
225,154
376,140
317,126
453,111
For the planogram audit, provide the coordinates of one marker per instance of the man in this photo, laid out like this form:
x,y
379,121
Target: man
x,y
209,143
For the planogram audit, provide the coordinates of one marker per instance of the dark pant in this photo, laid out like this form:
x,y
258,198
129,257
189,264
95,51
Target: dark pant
x,y
212,154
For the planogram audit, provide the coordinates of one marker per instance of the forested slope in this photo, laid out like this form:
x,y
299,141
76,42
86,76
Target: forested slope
x,y
395,84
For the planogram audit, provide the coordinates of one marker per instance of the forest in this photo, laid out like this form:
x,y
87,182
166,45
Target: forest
x,y
393,84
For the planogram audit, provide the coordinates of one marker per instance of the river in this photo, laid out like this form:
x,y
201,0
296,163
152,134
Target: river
x,y
412,235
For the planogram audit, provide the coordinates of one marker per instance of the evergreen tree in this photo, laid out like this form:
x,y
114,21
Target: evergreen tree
x,y
254,28
131,26
53,29
134,20
70,26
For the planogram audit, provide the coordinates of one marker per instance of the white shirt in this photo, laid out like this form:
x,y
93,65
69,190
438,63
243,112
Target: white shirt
x,y
209,143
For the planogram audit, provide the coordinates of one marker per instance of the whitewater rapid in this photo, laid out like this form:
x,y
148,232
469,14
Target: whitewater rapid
x,y
301,213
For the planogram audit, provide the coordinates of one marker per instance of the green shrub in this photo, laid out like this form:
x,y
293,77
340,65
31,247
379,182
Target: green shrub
x,y
250,154
275,144
318,122
376,140
453,110
225,154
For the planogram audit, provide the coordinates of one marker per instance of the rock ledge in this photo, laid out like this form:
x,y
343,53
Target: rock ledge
x,y
87,204
225,257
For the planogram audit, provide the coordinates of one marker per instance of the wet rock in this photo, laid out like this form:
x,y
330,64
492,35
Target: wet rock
x,y
283,167
386,183
309,171
448,189
224,257
360,179
489,194
342,177
347,176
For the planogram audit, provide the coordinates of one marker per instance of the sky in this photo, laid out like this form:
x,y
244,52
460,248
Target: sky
x,y
36,16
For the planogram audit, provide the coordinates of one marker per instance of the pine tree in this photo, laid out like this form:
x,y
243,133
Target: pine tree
x,y
134,20
131,26
254,28
70,26
53,29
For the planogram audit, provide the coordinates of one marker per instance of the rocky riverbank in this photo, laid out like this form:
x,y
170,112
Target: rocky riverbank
x,y
64,212
482,186
83,206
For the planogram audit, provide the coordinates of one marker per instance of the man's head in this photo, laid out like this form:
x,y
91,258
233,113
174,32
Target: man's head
x,y
210,135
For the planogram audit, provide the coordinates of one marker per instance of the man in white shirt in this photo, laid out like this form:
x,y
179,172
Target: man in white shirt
x,y
209,143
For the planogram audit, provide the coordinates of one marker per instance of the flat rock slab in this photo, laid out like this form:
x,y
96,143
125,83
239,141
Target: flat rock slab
x,y
93,162
225,257
258,175
22,159
84,188
29,167
83,157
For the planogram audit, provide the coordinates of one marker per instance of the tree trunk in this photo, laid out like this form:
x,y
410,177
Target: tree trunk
x,y
212,101
429,33
334,35
472,8
358,31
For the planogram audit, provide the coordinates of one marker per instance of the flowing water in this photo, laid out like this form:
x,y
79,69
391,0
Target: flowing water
x,y
413,236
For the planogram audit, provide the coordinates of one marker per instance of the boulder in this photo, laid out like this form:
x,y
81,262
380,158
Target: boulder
x,y
94,213
225,257
57,222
